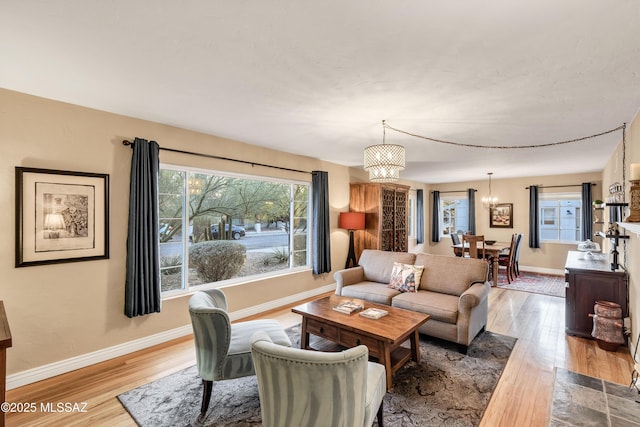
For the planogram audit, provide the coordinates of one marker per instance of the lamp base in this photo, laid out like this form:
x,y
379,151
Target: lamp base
x,y
351,257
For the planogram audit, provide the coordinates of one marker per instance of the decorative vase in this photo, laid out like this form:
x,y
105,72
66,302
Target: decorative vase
x,y
607,325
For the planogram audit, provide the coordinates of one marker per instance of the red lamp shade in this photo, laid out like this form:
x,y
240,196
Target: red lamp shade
x,y
351,220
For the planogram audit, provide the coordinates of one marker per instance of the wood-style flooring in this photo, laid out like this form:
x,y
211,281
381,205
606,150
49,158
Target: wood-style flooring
x,y
522,396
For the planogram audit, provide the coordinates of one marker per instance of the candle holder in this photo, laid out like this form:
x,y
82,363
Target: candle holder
x,y
634,202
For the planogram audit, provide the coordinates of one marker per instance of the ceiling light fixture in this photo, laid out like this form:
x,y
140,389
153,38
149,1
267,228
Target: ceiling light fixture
x,y
489,201
384,161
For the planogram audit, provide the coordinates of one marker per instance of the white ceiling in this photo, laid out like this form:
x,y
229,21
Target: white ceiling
x,y
318,77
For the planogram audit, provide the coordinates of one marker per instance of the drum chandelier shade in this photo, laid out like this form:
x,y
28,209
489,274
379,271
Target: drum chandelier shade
x,y
384,161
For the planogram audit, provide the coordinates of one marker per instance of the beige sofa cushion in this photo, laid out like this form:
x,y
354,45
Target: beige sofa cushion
x,y
370,291
450,275
379,264
441,307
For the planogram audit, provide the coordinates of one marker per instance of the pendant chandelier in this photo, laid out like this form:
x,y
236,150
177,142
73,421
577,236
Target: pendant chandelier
x,y
489,201
384,161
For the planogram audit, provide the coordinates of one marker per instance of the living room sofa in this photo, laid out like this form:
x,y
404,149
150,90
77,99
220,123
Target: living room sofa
x,y
453,291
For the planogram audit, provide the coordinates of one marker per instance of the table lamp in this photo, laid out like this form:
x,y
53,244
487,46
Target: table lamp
x,y
351,221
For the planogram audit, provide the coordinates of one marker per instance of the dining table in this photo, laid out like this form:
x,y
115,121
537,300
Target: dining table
x,y
493,250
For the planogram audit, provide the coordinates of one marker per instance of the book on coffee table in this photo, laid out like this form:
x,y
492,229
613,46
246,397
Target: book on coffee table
x,y
348,307
374,313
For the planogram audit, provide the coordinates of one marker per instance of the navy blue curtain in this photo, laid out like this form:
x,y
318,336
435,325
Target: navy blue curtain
x,y
534,219
435,217
320,229
419,216
471,196
142,286
587,213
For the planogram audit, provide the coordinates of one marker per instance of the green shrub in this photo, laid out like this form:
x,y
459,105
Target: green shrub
x,y
170,264
217,259
280,255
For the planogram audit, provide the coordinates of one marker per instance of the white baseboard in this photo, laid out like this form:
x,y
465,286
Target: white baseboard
x,y
57,368
542,270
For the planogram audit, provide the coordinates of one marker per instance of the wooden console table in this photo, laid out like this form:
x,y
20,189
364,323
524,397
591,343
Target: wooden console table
x,y
589,279
5,342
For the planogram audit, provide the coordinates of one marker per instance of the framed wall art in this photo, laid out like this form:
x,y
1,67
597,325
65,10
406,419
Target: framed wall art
x,y
501,216
61,216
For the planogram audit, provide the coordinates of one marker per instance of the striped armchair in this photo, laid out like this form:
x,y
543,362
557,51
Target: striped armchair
x,y
312,388
223,349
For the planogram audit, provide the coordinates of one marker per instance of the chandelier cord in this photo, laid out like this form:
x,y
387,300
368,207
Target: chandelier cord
x,y
502,147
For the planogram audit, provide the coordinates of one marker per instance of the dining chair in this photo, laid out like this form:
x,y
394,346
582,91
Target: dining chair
x,y
299,387
456,241
472,241
516,265
223,349
507,260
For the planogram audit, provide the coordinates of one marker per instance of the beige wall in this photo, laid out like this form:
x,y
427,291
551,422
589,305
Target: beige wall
x,y
550,256
630,249
57,312
61,311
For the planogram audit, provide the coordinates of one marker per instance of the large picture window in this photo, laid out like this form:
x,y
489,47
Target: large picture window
x,y
560,217
218,228
454,215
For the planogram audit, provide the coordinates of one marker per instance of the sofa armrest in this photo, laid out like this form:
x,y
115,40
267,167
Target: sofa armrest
x,y
348,276
473,296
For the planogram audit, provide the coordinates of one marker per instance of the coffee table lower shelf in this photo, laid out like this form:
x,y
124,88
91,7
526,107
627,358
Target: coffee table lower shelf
x,y
399,356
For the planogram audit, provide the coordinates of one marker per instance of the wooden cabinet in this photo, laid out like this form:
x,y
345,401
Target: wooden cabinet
x,y
5,342
386,208
590,279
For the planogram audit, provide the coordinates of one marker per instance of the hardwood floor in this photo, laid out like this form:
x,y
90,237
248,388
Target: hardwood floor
x,y
522,397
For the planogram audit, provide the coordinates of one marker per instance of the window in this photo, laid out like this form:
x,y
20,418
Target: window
x,y
454,215
267,217
412,213
561,217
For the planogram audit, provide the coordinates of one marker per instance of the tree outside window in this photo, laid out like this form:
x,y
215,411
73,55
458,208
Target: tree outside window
x,y
264,220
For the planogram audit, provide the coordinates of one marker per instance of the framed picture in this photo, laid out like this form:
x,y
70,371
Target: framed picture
x,y
61,216
501,216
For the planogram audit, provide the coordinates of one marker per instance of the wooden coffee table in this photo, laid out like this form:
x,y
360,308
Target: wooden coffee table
x,y
383,337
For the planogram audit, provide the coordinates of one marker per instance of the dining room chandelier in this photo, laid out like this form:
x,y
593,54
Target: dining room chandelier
x,y
384,161
489,201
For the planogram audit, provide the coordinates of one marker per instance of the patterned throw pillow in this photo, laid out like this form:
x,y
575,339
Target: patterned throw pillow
x,y
405,277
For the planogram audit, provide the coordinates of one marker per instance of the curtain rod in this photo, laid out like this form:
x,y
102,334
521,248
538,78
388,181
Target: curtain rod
x,y
561,186
456,191
211,156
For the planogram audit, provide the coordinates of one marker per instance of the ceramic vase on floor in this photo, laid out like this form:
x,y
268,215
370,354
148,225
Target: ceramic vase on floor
x,y
607,325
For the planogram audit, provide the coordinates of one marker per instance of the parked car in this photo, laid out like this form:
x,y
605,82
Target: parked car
x,y
236,231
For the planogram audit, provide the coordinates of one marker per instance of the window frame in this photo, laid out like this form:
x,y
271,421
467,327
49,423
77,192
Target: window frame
x,y
186,288
543,200
441,213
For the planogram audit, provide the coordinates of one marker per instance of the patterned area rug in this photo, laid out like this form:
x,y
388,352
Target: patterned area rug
x,y
446,388
537,283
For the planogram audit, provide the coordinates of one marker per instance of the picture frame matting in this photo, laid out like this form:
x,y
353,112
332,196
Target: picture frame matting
x,y
61,216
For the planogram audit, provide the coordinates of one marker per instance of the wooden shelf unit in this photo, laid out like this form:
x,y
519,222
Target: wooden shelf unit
x,y
386,208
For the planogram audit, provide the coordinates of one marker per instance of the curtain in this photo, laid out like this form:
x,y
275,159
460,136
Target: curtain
x,y
534,220
142,286
435,217
320,230
419,216
471,195
587,213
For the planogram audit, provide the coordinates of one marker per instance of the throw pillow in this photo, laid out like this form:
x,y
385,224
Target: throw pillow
x,y
405,277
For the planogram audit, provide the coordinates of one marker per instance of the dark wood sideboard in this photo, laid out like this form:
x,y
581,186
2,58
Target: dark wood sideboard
x,y
589,279
5,342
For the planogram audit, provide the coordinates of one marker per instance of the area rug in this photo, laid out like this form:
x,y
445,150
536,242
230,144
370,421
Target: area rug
x,y
445,388
537,283
580,400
